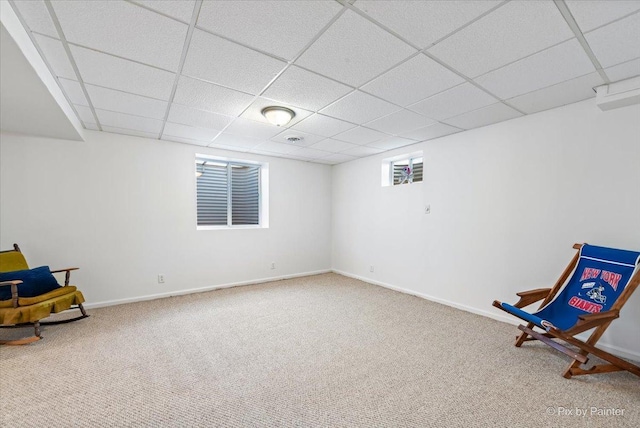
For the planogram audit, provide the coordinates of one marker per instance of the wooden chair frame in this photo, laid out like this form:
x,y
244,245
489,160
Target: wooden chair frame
x,y
597,321
36,325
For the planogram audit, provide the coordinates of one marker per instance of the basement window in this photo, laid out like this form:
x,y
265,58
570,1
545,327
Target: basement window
x,y
403,169
231,193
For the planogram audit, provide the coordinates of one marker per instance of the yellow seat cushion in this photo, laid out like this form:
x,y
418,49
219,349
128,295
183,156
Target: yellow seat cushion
x,y
52,302
26,301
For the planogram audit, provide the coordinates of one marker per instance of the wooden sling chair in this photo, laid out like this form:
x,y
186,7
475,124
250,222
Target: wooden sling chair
x,y
30,295
588,295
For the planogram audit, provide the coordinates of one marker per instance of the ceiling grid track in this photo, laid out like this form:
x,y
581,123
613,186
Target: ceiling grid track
x,y
430,56
571,22
183,57
65,44
289,63
403,40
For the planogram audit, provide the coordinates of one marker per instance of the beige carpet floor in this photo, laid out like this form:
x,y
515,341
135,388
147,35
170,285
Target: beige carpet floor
x,y
317,351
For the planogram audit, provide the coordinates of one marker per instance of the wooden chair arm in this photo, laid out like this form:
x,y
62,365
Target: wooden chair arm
x,y
67,275
14,290
531,296
64,270
589,321
7,283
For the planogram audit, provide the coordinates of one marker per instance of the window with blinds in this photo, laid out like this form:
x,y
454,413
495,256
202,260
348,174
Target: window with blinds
x,y
406,171
228,193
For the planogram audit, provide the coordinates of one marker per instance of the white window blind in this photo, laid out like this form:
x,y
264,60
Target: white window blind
x,y
228,193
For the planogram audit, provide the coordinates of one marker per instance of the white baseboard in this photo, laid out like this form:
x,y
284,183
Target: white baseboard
x,y
616,350
199,290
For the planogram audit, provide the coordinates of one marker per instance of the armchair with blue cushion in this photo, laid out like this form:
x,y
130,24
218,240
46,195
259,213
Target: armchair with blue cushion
x,y
588,296
29,295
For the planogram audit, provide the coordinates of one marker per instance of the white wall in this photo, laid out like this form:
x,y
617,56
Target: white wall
x,y
508,201
123,209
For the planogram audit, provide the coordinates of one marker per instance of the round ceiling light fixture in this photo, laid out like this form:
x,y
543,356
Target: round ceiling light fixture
x,y
278,116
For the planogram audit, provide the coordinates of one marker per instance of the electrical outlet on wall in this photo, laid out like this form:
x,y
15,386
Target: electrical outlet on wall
x,y
273,265
371,268
160,278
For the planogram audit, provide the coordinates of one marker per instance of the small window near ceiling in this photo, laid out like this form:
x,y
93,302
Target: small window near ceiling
x,y
231,193
407,171
400,170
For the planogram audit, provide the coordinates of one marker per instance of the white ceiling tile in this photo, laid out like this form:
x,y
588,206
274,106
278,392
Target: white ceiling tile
x,y
336,158
562,62
123,102
617,42
220,61
91,126
272,147
322,125
229,140
591,14
484,116
182,10
400,121
74,92
199,118
391,143
354,50
424,22
190,132
85,114
305,89
307,139
511,32
123,29
230,148
361,151
558,95
333,146
281,28
36,16
133,132
430,132
413,81
308,153
183,140
209,97
360,135
254,112
624,70
56,56
127,121
358,107
453,102
253,129
117,73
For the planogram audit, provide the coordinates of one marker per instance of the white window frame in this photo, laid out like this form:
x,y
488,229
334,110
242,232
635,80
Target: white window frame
x,y
263,193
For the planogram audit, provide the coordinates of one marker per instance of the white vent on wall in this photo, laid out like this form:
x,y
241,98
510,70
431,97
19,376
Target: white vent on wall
x,y
618,94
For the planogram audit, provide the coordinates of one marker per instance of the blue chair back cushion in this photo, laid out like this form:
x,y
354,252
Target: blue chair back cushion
x,y
35,282
600,277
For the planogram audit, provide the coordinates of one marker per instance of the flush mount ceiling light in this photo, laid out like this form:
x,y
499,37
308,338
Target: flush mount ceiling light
x,y
278,116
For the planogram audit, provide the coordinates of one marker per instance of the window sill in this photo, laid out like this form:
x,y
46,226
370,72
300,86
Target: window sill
x,y
231,227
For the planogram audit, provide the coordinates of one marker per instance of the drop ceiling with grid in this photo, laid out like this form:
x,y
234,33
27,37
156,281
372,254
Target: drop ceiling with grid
x,y
362,77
